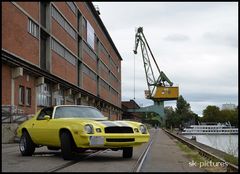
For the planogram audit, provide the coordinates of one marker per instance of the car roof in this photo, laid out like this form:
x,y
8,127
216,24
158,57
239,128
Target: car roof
x,y
83,106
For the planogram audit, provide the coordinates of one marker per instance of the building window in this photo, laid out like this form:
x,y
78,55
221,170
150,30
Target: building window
x,y
89,73
104,84
28,96
72,7
21,95
89,51
84,28
33,28
103,66
59,49
58,17
43,95
113,64
79,21
103,50
58,97
96,41
113,78
90,35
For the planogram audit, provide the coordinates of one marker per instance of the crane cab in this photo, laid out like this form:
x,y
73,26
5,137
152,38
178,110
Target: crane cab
x,y
163,93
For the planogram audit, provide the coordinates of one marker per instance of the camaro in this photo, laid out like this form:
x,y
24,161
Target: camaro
x,y
76,128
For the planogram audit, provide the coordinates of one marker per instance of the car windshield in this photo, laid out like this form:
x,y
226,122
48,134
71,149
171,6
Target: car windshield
x,y
77,112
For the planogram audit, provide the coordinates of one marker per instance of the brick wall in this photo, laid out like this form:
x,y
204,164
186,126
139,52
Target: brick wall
x,y
16,38
62,68
26,82
6,85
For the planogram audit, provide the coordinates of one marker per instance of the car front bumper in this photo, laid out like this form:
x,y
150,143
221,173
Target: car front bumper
x,y
110,140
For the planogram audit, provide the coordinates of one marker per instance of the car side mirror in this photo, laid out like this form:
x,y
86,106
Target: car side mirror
x,y
47,117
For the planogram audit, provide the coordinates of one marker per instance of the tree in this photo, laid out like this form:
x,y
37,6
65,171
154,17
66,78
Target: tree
x,y
170,117
183,112
214,114
211,114
182,106
229,115
182,116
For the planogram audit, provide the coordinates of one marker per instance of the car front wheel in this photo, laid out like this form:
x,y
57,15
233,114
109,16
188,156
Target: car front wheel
x,y
67,146
127,152
26,145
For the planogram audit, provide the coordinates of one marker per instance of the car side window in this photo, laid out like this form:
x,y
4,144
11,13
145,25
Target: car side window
x,y
45,111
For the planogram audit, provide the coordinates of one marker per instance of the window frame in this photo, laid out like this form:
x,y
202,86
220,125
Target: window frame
x,y
63,52
33,28
56,15
44,95
28,96
21,96
90,35
71,5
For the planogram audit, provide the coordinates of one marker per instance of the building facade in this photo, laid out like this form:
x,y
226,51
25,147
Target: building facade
x,y
131,104
58,53
229,106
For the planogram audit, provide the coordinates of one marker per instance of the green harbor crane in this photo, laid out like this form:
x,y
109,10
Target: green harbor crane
x,y
160,88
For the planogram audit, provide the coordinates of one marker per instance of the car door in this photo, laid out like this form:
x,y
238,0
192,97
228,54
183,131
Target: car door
x,y
41,130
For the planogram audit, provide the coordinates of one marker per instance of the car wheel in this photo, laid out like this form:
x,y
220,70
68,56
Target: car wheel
x,y
67,146
127,152
26,145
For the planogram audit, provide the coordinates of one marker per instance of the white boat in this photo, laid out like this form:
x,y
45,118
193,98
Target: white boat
x,y
219,128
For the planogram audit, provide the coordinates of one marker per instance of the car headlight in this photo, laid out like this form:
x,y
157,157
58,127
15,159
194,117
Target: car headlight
x,y
143,129
88,128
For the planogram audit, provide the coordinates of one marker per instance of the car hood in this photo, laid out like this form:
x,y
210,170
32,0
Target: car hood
x,y
102,122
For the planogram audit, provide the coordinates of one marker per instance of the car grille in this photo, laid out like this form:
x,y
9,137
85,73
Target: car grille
x,y
118,129
120,139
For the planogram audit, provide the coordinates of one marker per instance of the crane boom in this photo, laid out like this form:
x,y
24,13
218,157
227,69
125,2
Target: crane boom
x,y
155,85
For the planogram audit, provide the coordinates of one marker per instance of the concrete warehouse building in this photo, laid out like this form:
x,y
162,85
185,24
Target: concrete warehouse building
x,y
58,53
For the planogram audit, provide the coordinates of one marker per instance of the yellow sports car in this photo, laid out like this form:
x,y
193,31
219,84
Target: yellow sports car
x,y
76,128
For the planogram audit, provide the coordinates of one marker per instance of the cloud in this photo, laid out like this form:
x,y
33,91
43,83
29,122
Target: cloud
x,y
195,44
176,37
227,39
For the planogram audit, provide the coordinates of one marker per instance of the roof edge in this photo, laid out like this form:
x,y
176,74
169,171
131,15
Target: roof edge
x,y
90,4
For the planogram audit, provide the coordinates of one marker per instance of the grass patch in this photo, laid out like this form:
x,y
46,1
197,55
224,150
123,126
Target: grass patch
x,y
196,157
190,153
231,159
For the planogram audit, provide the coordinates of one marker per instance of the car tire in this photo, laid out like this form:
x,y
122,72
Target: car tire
x,y
127,152
66,146
26,145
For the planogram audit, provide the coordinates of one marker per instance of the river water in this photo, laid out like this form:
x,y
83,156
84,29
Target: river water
x,y
226,143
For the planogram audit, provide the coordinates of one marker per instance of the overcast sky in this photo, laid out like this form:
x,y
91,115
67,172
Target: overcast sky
x,y
195,45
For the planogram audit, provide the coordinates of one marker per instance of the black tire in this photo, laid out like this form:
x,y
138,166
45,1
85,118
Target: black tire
x,y
26,145
127,152
66,146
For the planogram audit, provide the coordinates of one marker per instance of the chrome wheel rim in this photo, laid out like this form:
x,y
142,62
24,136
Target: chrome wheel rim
x,y
22,144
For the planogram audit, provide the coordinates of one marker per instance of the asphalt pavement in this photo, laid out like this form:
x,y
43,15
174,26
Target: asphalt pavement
x,y
165,156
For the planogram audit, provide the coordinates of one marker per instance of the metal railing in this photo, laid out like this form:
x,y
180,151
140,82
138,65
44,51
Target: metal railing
x,y
13,114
